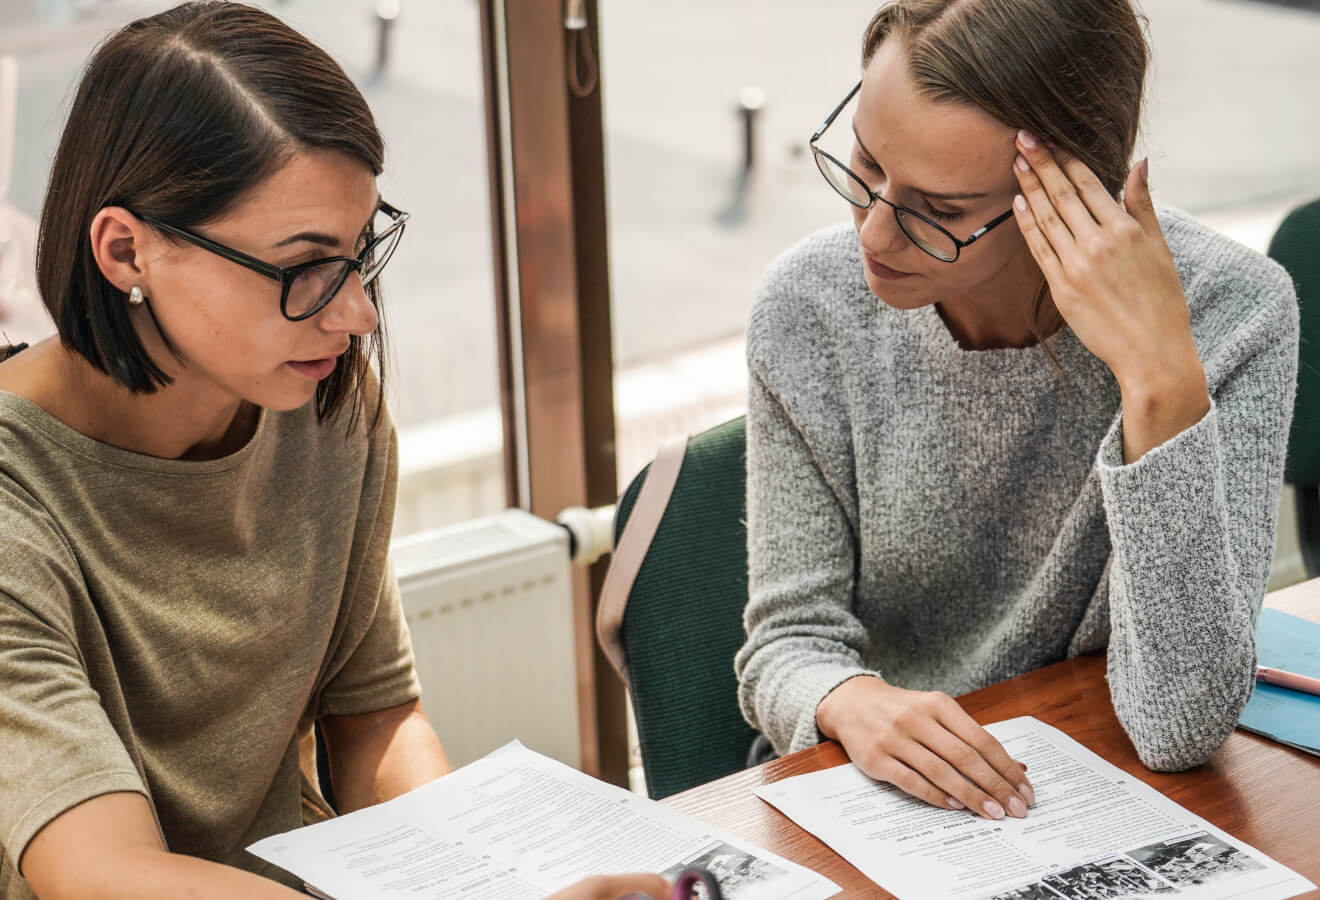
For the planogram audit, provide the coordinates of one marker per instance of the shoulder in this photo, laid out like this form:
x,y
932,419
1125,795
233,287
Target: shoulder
x,y
828,259
1234,293
40,570
803,293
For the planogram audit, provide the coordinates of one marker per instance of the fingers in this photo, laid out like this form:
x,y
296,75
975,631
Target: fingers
x,y
961,784
933,750
1136,195
1050,192
925,744
988,781
615,887
909,780
1008,770
1049,164
1045,211
1039,245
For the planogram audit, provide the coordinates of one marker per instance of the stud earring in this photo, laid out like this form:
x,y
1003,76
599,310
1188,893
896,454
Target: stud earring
x,y
135,297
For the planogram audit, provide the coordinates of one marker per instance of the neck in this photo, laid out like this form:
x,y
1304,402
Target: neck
x,y
184,420
1002,311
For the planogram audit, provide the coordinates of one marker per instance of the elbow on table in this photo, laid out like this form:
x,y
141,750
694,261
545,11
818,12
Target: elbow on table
x,y
1175,746
1161,757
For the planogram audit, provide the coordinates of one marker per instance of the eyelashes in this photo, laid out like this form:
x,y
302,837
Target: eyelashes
x,y
943,215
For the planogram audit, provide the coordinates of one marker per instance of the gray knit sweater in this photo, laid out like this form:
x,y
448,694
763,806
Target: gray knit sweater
x,y
947,519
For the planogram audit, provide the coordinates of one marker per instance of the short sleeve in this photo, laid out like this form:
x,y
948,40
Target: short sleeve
x,y
371,666
60,748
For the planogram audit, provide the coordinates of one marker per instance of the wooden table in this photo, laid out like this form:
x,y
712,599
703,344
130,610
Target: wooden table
x,y
1261,792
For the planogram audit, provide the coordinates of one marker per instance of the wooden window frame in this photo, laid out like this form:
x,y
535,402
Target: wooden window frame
x,y
545,151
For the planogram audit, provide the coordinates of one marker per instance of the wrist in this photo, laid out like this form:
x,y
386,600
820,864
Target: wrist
x,y
1169,393
835,711
1160,403
1157,376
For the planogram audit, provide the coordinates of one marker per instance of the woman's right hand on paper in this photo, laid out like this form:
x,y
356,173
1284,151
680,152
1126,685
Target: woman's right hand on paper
x,y
925,744
615,887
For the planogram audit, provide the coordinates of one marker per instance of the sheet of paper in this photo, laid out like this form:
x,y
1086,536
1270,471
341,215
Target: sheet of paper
x,y
516,825
1095,832
1290,717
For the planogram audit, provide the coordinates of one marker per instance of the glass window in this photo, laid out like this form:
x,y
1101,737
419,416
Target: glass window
x,y
691,226
426,93
692,230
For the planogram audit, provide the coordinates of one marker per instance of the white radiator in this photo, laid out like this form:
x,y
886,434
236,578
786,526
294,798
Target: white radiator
x,y
489,605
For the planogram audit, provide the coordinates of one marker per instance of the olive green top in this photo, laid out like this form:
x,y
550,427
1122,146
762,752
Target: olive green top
x,y
173,627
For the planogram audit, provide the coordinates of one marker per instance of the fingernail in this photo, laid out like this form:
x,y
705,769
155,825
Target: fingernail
x,y
1020,202
1027,793
1144,165
1021,163
1028,139
953,802
1017,807
993,809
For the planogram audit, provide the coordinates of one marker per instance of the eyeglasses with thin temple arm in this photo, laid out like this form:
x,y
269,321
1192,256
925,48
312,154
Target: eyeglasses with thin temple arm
x,y
306,288
931,237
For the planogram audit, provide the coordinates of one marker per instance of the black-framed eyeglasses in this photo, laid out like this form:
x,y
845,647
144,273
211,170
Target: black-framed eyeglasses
x,y
306,288
928,235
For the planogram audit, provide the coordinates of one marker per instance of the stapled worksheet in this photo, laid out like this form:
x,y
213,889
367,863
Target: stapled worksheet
x,y
1095,832
515,825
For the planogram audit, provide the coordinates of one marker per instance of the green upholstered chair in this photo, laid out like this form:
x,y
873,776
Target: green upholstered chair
x,y
1296,246
683,621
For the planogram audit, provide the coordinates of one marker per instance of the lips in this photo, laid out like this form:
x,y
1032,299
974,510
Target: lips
x,y
315,369
880,270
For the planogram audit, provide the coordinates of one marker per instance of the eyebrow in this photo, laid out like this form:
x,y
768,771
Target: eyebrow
x,y
311,237
320,237
934,195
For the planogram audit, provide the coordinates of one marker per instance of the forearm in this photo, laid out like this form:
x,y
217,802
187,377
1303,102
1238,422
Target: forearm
x,y
155,874
1181,597
803,638
377,756
803,641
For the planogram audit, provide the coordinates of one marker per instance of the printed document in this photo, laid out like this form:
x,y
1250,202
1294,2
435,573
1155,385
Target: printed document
x,y
516,825
1095,832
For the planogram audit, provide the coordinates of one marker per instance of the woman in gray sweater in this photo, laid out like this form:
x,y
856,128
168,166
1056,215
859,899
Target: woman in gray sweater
x,y
1006,418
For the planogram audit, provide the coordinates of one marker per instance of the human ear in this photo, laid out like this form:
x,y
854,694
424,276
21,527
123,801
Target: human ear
x,y
118,238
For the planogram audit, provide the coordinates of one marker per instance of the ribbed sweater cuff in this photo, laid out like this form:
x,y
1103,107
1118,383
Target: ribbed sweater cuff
x,y
807,686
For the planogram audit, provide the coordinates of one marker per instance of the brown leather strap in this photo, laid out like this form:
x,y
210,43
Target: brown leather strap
x,y
630,552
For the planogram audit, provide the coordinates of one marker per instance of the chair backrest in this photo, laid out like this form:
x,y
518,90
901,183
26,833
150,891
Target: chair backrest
x,y
683,622
1296,246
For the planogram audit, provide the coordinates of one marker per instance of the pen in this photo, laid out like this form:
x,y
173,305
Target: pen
x,y
1288,680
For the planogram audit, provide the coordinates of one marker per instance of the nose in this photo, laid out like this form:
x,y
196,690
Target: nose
x,y
878,229
350,311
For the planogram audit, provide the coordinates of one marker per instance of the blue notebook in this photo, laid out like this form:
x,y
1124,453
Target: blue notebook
x,y
1287,716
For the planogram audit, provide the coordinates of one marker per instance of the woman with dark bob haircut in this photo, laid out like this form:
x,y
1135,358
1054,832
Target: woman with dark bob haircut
x,y
1013,412
197,478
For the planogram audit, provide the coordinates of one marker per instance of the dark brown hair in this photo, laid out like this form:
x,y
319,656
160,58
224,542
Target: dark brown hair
x,y
177,116
1070,71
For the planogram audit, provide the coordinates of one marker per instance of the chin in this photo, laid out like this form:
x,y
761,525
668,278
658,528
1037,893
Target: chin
x,y
282,400
892,294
